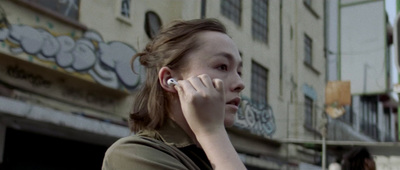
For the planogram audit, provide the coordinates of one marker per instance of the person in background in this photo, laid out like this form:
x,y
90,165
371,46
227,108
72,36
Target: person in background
x,y
335,165
181,125
358,158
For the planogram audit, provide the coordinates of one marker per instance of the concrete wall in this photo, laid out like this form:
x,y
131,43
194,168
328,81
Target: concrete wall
x,y
311,78
387,163
104,17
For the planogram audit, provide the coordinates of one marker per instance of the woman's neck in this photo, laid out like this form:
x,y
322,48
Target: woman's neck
x,y
178,118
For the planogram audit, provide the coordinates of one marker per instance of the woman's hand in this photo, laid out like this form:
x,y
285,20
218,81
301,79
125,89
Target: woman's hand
x,y
203,104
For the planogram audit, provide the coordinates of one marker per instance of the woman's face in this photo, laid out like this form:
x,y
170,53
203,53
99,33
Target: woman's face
x,y
219,58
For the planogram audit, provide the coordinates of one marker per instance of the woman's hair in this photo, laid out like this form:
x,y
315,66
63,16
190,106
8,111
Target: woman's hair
x,y
168,48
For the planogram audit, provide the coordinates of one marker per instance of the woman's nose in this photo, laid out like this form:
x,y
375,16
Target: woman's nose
x,y
238,84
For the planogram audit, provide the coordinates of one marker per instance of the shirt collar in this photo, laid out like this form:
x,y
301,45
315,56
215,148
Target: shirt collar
x,y
171,134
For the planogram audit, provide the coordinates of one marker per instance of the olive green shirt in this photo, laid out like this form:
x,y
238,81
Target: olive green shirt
x,y
167,148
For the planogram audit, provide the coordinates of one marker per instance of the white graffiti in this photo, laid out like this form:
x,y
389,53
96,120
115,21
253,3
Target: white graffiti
x,y
258,120
107,63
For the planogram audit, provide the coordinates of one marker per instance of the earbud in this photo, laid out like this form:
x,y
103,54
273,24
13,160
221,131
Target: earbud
x,y
171,82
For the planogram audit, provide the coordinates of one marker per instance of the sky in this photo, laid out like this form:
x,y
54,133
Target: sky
x,y
391,10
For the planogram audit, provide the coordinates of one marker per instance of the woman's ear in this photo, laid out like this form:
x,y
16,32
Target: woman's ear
x,y
164,74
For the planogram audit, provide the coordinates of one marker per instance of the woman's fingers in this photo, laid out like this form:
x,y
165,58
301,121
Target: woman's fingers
x,y
201,83
206,80
186,87
219,85
197,84
179,89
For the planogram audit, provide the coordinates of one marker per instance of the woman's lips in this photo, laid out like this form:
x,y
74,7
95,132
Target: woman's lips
x,y
234,103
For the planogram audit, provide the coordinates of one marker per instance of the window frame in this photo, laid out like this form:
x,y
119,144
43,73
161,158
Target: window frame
x,y
308,116
369,122
53,14
118,13
257,27
229,13
256,69
148,25
308,4
388,123
128,8
308,57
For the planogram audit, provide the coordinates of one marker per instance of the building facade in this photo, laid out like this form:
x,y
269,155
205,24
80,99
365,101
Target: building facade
x,y
65,78
358,47
373,112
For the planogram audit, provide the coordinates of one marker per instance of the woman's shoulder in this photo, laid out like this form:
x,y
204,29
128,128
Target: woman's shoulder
x,y
132,140
134,144
139,152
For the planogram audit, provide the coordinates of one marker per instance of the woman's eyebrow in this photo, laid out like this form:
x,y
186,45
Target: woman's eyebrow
x,y
229,57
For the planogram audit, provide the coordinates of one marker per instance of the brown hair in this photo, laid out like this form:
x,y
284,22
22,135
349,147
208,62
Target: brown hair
x,y
168,49
355,158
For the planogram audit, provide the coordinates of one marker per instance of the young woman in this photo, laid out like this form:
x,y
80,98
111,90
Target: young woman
x,y
182,126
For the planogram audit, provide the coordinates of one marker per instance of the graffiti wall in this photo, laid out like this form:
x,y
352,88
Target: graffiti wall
x,y
88,57
58,62
258,119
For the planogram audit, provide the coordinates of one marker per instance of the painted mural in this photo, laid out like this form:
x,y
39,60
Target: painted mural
x,y
258,119
107,63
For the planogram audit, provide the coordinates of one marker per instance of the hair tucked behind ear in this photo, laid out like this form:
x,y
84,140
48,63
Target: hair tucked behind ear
x,y
168,48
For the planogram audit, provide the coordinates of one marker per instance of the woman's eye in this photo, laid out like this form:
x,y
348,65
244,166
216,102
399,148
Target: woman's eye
x,y
223,67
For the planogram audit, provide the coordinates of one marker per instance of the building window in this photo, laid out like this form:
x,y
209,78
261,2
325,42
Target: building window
x,y
308,2
259,84
67,8
125,8
308,111
307,50
369,110
388,124
259,25
232,9
152,24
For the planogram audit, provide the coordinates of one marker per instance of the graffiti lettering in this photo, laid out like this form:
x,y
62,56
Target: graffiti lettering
x,y
107,63
34,80
258,120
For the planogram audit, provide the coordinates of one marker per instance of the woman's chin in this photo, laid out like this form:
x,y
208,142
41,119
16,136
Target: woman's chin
x,y
229,120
